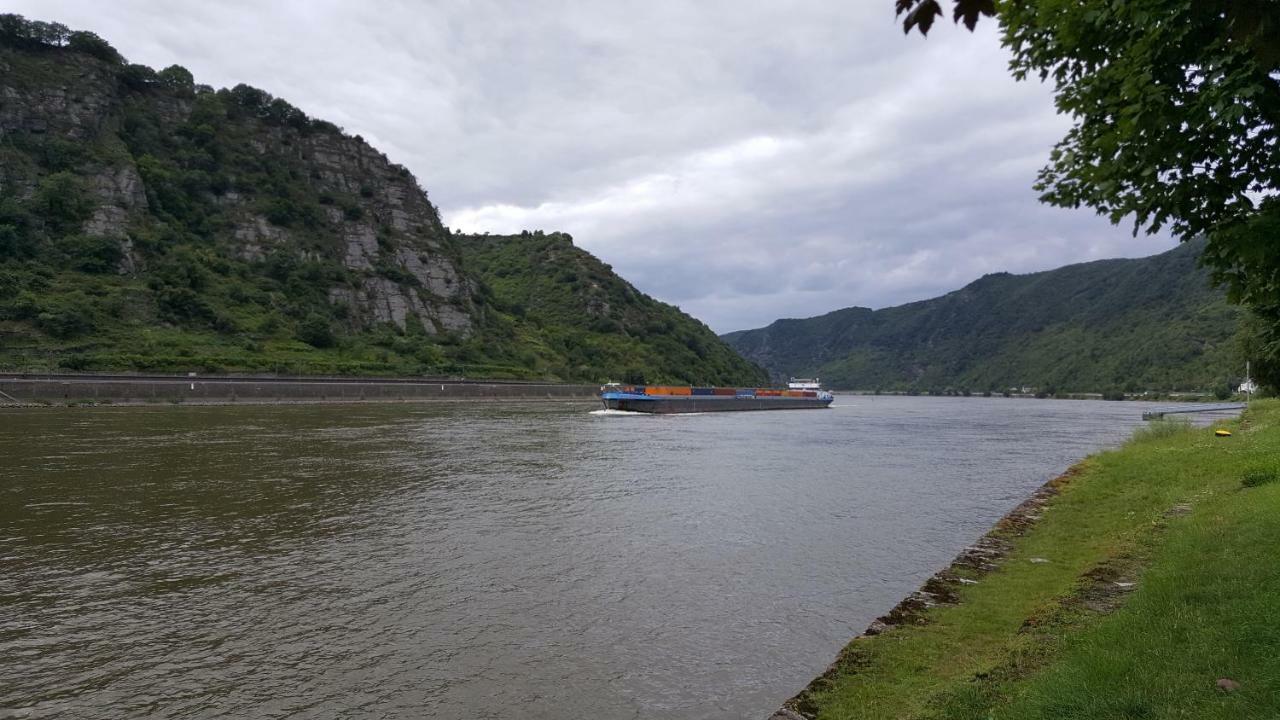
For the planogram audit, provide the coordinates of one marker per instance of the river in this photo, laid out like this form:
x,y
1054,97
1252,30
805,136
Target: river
x,y
481,560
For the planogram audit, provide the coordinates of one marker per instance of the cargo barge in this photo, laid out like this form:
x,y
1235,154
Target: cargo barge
x,y
800,395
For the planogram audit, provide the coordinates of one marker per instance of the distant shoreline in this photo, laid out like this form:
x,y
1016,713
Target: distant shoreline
x,y
23,389
1173,396
43,390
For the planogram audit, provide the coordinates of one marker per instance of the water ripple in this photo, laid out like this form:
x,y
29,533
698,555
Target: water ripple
x,y
479,561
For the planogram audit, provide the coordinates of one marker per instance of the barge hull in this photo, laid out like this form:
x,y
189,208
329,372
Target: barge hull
x,y
686,404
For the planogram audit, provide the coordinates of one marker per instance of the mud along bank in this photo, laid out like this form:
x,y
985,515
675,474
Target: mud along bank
x,y
57,389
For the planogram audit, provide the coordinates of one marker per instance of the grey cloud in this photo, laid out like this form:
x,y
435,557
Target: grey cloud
x,y
745,160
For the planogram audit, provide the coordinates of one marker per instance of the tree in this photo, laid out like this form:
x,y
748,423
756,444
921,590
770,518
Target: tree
x,y
179,80
20,32
1177,120
63,202
90,44
138,77
920,14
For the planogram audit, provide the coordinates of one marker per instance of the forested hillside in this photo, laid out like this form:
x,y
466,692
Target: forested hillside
x,y
1148,324
151,223
585,313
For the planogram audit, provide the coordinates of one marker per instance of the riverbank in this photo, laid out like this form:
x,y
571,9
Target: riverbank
x,y
1142,583
123,389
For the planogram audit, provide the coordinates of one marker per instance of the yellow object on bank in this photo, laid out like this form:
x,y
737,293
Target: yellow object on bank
x,y
1222,433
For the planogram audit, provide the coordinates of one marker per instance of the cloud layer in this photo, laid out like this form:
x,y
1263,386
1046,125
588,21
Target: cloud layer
x,y
744,160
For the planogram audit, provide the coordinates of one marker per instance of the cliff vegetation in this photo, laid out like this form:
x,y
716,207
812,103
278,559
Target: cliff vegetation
x,y
151,223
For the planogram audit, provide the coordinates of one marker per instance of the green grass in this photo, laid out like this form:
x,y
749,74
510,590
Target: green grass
x,y
1060,639
1162,428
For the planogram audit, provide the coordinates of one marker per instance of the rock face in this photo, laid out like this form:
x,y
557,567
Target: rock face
x,y
150,223
132,142
76,107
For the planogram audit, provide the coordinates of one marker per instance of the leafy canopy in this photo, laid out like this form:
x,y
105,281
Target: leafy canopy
x,y
1176,106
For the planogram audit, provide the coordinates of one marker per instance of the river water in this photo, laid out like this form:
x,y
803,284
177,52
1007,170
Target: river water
x,y
484,561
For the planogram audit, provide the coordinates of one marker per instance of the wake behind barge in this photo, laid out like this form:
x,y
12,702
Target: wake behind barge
x,y
800,395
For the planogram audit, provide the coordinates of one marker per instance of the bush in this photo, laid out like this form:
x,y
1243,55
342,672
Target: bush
x,y
1261,476
315,331
1157,429
87,253
63,202
67,316
180,304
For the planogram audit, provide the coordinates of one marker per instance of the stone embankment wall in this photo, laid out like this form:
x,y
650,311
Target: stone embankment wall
x,y
67,389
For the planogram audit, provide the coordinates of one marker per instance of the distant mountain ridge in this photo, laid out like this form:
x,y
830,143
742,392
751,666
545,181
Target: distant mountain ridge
x,y
1153,323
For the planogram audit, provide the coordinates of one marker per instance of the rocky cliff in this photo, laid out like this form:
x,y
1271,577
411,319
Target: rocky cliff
x,y
356,206
148,222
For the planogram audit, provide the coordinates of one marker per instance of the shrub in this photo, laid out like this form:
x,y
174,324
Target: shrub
x,y
315,331
1157,429
1260,476
63,202
67,316
87,253
179,304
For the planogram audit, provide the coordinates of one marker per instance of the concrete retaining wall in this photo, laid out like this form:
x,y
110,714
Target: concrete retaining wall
x,y
117,389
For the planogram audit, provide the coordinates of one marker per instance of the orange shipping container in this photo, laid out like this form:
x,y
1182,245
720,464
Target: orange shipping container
x,y
667,390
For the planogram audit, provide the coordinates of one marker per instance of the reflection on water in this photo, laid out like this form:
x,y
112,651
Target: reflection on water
x,y
455,560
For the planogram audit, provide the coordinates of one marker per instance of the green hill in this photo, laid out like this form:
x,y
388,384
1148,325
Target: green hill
x,y
1148,324
151,223
585,313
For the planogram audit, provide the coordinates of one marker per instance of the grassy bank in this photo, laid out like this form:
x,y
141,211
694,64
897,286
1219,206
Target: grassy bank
x,y
1151,574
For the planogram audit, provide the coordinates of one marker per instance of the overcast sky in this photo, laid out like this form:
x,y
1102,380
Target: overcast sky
x,y
745,160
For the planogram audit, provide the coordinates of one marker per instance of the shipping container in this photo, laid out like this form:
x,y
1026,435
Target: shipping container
x,y
724,391
703,391
681,391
